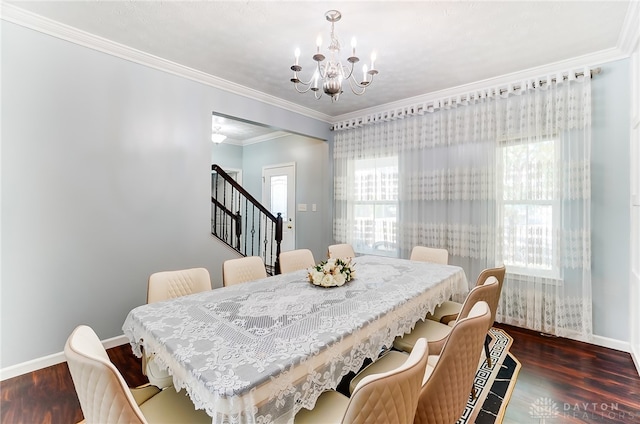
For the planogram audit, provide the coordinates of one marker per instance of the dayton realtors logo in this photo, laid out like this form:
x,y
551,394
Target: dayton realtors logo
x,y
546,410
596,411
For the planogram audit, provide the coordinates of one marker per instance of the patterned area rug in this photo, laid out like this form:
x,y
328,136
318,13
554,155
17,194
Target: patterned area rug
x,y
494,384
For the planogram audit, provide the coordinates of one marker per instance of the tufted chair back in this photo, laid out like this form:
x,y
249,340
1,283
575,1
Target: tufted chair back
x,y
445,393
390,397
241,270
167,285
430,254
488,292
171,284
293,260
341,251
498,273
104,395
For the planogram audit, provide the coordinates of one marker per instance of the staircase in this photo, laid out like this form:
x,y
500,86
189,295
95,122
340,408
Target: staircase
x,y
243,223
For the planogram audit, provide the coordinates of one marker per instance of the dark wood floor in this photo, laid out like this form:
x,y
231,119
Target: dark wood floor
x,y
561,380
571,382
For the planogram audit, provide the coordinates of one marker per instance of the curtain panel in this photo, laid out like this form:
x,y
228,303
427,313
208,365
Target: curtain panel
x,y
502,180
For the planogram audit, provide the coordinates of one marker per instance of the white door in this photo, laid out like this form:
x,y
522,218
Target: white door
x,y
279,196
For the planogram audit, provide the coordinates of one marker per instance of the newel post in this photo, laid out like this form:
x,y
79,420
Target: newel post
x,y
238,229
278,240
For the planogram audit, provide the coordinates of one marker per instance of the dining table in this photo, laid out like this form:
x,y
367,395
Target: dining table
x,y
259,351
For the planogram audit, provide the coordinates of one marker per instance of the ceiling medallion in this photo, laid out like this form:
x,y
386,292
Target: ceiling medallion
x,y
332,73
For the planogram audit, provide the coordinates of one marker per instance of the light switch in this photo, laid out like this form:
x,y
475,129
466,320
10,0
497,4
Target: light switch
x,y
302,207
314,207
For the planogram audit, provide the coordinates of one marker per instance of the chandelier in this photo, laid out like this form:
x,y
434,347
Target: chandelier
x,y
331,74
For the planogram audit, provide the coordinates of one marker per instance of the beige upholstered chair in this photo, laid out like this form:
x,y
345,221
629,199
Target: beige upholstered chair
x,y
341,251
104,395
448,379
430,254
437,333
171,284
448,311
167,285
241,270
389,397
294,260
444,395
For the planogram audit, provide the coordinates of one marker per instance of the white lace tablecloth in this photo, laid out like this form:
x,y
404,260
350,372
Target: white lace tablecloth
x,y
258,352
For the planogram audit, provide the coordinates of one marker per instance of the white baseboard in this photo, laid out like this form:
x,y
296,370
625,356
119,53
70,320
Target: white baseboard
x,y
611,343
49,360
635,355
595,340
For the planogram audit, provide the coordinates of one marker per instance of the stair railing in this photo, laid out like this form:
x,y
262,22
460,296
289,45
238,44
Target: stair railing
x,y
242,222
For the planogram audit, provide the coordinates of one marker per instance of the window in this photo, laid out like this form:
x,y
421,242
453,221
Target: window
x,y
278,193
530,208
375,205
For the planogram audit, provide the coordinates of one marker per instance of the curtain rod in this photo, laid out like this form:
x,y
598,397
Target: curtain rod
x,y
463,99
540,82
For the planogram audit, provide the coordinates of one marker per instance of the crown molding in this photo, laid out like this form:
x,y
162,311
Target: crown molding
x,y
266,137
259,139
18,16
630,33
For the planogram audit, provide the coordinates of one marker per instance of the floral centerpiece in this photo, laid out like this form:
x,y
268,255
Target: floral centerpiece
x,y
333,272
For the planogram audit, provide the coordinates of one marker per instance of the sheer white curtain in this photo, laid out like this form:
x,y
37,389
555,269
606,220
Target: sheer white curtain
x,y
366,190
448,185
544,154
505,179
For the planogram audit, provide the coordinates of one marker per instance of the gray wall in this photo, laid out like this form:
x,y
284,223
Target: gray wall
x,y
610,216
105,179
227,155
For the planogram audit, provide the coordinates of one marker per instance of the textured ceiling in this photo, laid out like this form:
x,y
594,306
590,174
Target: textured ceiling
x,y
422,46
243,133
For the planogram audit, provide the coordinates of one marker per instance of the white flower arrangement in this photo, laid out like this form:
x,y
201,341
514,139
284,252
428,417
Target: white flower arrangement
x,y
333,272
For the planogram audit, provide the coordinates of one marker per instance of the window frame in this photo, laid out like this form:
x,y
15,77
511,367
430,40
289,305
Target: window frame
x,y
354,203
554,273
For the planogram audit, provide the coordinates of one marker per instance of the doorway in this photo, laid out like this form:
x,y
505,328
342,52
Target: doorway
x,y
279,196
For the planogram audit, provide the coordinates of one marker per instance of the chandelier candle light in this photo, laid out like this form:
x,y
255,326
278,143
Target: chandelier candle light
x,y
333,72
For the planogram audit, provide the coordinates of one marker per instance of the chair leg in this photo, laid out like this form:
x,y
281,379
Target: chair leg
x,y
144,361
474,393
487,340
448,318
